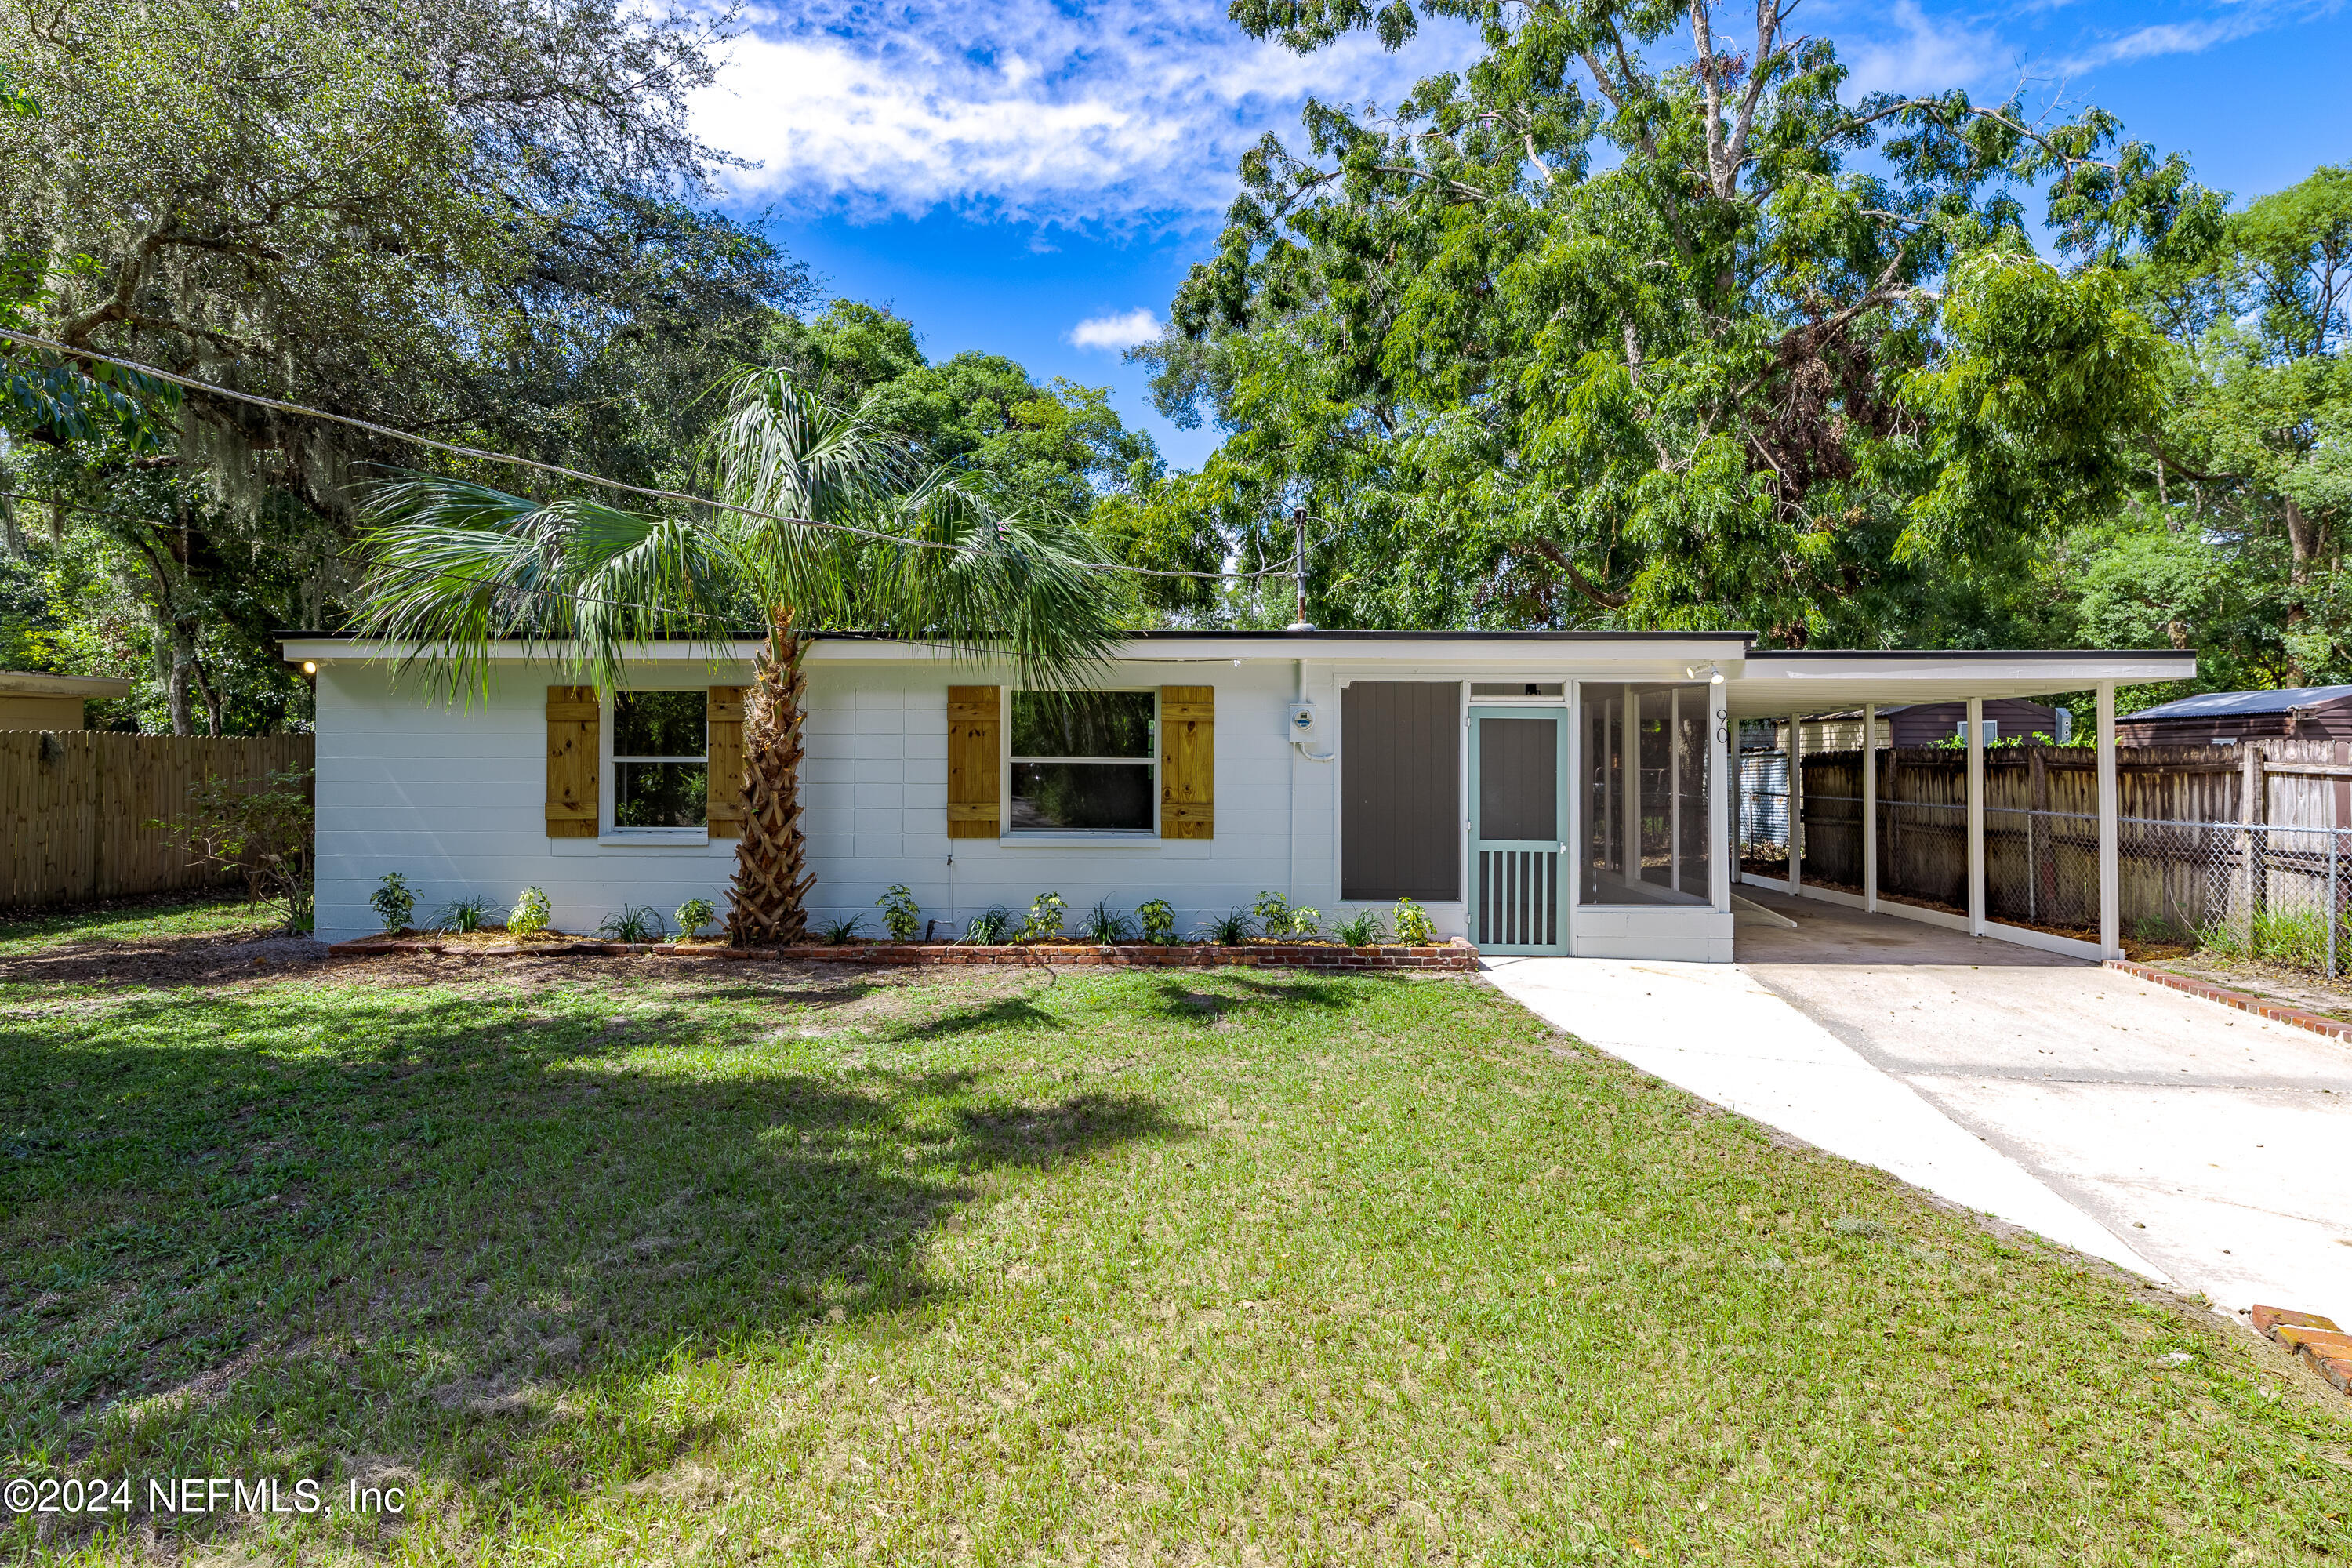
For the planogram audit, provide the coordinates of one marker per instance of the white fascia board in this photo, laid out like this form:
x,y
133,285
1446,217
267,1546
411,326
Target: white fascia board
x,y
1512,655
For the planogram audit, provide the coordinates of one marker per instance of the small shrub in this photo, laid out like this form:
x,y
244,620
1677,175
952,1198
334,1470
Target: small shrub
x,y
393,902
262,828
1045,922
1361,929
1158,922
462,915
842,930
1306,923
990,927
1273,913
692,916
530,913
1413,924
1107,927
1229,928
634,923
901,913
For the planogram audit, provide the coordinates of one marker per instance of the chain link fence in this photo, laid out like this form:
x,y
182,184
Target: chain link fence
x,y
2242,890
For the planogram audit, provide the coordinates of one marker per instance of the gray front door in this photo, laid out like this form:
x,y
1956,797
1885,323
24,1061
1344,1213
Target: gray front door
x,y
1518,829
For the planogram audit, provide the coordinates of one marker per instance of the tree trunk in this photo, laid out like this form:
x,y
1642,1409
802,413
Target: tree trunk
x,y
772,877
175,692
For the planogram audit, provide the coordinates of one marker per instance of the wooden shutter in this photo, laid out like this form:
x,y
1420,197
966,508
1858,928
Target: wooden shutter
x,y
975,761
723,743
1188,762
572,715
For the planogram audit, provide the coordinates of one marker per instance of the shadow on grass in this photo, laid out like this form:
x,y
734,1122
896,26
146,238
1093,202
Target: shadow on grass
x,y
243,1230
1248,995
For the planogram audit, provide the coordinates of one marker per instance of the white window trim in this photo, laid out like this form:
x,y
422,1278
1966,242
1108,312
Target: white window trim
x,y
1074,837
608,793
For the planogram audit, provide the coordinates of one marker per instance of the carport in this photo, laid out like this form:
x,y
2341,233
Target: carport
x,y
1797,686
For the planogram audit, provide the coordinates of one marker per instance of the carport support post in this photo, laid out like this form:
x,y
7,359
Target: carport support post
x,y
1870,808
1796,803
1975,817
2111,921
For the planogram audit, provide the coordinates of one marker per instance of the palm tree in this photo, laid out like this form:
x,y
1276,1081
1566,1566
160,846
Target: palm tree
x,y
870,541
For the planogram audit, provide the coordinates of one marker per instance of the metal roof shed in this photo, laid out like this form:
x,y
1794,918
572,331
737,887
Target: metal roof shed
x,y
2225,717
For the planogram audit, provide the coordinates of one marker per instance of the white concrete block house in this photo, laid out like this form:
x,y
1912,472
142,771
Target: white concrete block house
x,y
1485,775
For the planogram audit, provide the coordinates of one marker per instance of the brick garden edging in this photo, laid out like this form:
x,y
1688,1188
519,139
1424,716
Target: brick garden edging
x,y
1458,956
2316,1339
2277,1011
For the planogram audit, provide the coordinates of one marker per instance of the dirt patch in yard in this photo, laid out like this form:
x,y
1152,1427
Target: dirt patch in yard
x,y
212,958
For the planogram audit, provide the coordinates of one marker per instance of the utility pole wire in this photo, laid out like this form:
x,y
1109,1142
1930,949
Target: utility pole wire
x,y
27,340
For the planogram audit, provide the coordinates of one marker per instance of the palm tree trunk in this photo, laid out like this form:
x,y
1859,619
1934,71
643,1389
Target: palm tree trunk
x,y
772,877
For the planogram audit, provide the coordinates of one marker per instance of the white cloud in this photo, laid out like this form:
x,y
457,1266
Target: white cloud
x,y
2173,38
1030,108
1925,56
1116,332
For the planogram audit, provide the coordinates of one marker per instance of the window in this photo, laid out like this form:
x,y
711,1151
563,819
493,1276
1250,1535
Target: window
x,y
1991,727
661,765
1084,762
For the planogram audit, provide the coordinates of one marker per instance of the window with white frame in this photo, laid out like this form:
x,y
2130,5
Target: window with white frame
x,y
1084,762
661,762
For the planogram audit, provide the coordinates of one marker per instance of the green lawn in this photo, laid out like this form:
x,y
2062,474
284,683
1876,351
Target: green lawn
x,y
627,1261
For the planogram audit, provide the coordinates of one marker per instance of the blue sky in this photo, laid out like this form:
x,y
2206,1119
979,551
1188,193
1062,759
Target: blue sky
x,y
1034,176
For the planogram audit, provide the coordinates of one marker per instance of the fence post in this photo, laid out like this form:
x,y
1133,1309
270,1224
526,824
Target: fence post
x,y
2333,831
1870,808
2250,789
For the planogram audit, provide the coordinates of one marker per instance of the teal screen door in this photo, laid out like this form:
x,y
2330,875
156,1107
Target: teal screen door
x,y
1518,829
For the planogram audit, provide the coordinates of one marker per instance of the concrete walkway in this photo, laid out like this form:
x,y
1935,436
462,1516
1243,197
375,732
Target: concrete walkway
x,y
2167,1134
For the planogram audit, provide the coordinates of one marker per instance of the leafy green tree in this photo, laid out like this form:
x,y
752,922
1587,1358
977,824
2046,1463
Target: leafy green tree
x,y
981,415
455,216
843,526
2250,473
1714,346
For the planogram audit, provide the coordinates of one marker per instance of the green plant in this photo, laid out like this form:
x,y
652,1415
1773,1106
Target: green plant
x,y
468,914
393,902
263,829
692,916
1045,921
1229,928
1158,919
1413,924
1361,929
1273,913
1306,923
530,913
842,930
901,913
989,927
1023,583
1107,927
633,923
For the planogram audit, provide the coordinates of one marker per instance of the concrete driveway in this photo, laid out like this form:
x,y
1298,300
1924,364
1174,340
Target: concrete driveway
x,y
2166,1132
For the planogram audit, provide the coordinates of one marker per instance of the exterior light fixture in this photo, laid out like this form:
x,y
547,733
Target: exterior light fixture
x,y
310,667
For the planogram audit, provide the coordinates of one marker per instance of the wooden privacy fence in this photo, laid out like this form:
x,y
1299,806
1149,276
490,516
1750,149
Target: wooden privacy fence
x,y
2208,835
74,805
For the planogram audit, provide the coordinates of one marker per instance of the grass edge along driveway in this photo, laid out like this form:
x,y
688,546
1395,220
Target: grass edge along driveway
x,y
622,1262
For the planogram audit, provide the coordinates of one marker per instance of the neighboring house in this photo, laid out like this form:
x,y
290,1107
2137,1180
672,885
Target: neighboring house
x,y
1922,724
1535,791
30,702
2225,717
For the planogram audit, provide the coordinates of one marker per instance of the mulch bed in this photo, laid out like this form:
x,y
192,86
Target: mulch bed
x,y
1457,955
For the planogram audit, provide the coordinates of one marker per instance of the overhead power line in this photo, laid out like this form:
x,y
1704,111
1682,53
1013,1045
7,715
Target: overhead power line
x,y
304,411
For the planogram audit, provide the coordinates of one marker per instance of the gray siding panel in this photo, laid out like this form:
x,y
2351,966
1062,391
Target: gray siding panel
x,y
1400,791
